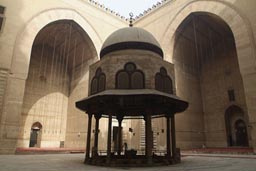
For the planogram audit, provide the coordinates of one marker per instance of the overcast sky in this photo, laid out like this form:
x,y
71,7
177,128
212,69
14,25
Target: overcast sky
x,y
124,7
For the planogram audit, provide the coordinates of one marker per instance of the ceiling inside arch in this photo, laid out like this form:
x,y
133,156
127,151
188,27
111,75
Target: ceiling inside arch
x,y
66,38
205,24
200,37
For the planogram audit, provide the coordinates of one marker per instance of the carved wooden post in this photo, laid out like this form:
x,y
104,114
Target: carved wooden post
x,y
173,136
168,136
149,137
96,133
109,136
120,119
87,154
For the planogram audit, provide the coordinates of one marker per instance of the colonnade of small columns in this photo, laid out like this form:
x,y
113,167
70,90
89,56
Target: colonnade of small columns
x,y
170,136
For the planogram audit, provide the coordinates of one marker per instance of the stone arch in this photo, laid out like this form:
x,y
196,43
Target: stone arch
x,y
37,125
244,43
98,82
25,39
163,82
22,54
238,23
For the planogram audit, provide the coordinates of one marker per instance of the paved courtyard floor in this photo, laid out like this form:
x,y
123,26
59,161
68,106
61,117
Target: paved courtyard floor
x,y
74,162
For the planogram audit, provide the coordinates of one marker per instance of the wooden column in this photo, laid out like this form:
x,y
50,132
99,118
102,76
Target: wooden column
x,y
96,133
120,119
168,137
109,135
149,137
87,153
173,136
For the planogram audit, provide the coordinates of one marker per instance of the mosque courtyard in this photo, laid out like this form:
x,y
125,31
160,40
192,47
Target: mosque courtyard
x,y
74,162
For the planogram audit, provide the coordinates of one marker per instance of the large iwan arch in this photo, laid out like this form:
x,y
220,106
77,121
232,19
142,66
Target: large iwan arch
x,y
244,41
238,23
22,55
25,39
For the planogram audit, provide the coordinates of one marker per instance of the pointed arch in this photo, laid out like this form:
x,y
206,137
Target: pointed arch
x,y
26,37
239,24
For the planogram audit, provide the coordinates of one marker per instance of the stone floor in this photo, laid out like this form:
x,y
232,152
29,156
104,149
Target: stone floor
x,y
74,162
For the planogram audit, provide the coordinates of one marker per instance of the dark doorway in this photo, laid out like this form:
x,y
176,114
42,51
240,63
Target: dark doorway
x,y
33,138
241,133
35,135
236,130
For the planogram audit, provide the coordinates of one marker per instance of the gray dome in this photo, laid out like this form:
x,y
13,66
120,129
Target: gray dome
x,y
130,38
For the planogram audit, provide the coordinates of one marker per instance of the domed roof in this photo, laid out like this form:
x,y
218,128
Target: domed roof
x,y
130,38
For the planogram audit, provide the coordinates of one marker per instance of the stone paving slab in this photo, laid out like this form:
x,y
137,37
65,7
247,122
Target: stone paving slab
x,y
74,162
250,156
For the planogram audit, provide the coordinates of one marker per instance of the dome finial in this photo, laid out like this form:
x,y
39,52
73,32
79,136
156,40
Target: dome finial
x,y
131,19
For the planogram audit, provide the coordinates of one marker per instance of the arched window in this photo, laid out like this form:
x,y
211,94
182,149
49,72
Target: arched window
x,y
2,17
130,77
168,85
137,80
163,82
102,82
122,80
159,82
94,85
98,82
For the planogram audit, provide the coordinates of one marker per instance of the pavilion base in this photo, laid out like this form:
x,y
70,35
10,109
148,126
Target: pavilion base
x,y
135,161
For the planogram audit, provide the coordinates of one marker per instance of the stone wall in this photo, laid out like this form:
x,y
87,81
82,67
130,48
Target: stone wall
x,y
3,82
189,124
219,74
76,132
46,98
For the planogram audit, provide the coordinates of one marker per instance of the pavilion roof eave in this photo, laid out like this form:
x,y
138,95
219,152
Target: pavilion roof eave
x,y
171,102
132,92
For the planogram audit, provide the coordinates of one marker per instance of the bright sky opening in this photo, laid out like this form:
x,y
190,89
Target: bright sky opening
x,y
124,7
